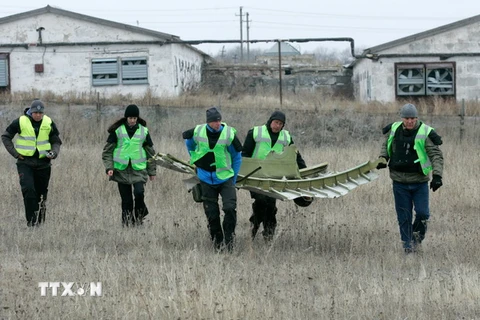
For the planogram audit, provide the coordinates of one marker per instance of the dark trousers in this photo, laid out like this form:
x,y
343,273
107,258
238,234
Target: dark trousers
x,y
34,185
133,205
210,195
264,211
407,197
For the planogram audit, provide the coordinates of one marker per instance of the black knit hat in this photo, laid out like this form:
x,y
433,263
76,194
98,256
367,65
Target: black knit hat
x,y
37,106
213,115
132,111
277,115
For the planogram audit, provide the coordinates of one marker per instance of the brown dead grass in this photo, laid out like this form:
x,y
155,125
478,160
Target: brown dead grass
x,y
337,259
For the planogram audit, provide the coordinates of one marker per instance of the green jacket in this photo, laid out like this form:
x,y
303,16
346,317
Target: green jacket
x,y
129,176
433,152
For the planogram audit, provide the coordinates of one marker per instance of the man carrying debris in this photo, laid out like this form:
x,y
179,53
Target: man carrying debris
x,y
216,152
260,141
412,151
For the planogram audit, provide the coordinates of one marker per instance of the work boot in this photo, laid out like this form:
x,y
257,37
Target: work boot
x,y
218,245
269,225
268,231
417,238
419,230
139,216
257,217
254,229
42,212
127,218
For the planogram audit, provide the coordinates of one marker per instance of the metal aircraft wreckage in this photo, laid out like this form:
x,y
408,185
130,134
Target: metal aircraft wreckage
x,y
279,177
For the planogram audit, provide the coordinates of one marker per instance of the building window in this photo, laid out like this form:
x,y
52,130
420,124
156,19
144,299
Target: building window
x,y
134,70
425,79
104,72
3,70
119,71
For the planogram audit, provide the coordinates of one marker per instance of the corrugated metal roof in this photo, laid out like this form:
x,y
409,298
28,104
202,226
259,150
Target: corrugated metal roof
x,y
286,48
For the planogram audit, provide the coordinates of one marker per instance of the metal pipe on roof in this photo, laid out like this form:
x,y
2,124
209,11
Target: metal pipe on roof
x,y
442,56
189,42
66,44
341,39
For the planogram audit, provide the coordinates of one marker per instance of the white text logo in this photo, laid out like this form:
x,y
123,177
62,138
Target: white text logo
x,y
70,289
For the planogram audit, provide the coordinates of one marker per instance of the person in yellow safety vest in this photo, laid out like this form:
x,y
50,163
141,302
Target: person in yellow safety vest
x,y
216,152
412,152
258,143
125,157
37,143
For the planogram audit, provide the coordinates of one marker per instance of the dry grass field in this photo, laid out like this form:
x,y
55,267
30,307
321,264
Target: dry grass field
x,y
337,259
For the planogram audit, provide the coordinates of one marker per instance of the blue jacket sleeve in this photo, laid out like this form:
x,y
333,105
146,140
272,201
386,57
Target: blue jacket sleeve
x,y
191,145
236,161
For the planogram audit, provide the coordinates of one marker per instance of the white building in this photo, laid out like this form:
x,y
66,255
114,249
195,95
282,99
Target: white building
x,y
444,61
59,51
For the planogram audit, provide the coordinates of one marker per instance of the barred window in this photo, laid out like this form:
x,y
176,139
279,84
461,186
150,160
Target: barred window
x,y
3,70
118,71
104,72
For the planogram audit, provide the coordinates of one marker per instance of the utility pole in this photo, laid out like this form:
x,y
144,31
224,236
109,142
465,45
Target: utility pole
x,y
280,70
248,40
222,52
241,35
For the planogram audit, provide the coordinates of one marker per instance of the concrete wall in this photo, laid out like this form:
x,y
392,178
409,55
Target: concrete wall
x,y
375,80
272,60
259,79
171,68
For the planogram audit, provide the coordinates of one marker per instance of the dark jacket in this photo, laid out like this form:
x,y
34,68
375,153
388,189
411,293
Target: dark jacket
x,y
128,176
431,147
33,161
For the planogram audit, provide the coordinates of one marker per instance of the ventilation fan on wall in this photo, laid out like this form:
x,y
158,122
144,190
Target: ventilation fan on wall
x,y
440,81
411,81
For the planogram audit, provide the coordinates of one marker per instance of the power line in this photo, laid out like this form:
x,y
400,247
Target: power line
x,y
183,22
349,16
329,26
267,10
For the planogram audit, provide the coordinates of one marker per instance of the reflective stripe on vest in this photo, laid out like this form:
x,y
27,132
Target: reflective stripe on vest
x,y
130,149
263,142
419,147
27,142
223,159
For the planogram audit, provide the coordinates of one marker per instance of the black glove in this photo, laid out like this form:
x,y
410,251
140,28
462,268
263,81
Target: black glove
x,y
381,165
51,154
436,182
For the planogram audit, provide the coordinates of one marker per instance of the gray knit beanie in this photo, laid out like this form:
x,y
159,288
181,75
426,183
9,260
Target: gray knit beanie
x,y
37,106
409,111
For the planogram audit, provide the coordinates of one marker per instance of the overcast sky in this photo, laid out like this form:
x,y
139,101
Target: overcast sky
x,y
369,23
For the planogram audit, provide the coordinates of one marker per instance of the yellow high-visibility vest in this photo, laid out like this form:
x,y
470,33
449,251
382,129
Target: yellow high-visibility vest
x,y
130,149
223,159
27,142
263,142
419,146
